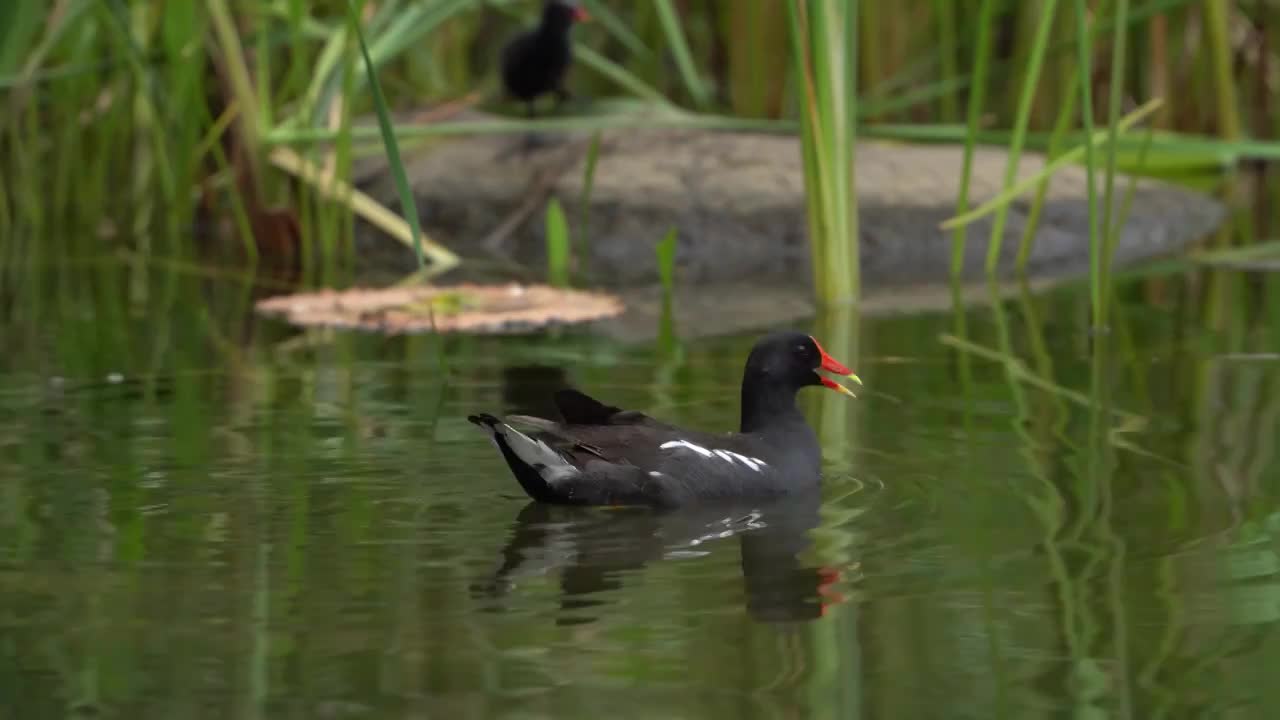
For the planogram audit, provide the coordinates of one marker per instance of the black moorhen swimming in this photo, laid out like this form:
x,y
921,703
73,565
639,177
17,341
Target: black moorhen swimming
x,y
534,62
603,455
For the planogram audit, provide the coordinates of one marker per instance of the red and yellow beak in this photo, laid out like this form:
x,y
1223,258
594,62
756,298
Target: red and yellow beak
x,y
834,367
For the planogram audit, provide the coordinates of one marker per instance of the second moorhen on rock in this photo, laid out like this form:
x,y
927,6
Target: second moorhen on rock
x,y
534,62
603,455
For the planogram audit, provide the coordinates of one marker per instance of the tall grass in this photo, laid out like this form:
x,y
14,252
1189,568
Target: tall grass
x,y
665,254
824,41
388,135
1085,75
188,101
1030,82
982,58
557,243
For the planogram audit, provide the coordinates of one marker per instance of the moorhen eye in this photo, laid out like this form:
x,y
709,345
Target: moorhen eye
x,y
603,455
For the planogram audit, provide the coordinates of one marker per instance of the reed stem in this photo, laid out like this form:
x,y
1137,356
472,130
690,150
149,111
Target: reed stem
x,y
977,96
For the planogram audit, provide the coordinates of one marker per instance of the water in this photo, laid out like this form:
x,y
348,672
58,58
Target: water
x,y
203,515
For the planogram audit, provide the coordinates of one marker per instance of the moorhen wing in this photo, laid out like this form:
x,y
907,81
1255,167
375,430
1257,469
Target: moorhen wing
x,y
603,455
534,62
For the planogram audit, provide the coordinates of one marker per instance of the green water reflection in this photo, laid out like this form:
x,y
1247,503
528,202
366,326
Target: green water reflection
x,y
198,521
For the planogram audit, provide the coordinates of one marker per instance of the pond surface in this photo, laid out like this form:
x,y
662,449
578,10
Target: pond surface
x,y
207,515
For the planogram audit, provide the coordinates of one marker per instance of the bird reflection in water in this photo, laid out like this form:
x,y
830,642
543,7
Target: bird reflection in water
x,y
593,549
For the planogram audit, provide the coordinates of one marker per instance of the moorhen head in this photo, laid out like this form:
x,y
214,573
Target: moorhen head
x,y
598,454
780,365
535,62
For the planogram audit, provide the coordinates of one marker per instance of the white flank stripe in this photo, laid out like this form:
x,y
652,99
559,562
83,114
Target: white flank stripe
x,y
727,455
686,444
749,462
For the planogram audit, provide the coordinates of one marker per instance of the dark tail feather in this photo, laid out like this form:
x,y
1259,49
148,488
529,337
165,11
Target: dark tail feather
x,y
579,408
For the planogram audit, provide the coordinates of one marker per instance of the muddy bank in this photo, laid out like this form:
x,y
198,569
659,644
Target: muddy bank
x,y
737,202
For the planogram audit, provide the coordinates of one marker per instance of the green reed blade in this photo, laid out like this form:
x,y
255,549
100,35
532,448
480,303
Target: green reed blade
x,y
1066,111
945,10
557,241
1008,194
824,48
1218,34
584,206
982,58
617,27
1113,232
21,22
1118,57
666,254
679,46
408,207
1030,81
1084,48
619,74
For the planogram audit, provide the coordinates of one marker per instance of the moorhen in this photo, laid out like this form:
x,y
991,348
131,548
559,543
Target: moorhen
x,y
603,455
534,62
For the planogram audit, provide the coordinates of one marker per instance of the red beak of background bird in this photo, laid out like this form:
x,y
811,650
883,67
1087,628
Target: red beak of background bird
x,y
834,367
580,14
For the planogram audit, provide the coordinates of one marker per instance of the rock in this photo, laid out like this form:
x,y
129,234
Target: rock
x,y
737,202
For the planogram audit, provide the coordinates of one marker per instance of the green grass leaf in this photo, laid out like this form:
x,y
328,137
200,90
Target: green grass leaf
x,y
1012,191
557,245
666,252
679,45
409,207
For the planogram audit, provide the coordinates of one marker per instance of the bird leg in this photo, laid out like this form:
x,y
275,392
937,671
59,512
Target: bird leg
x,y
562,96
530,138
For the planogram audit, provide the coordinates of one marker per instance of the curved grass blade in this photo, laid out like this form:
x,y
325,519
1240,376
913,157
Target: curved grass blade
x,y
974,114
20,24
584,210
408,207
665,251
557,245
400,32
617,27
1084,46
1008,194
671,25
376,214
624,78
1021,119
1113,116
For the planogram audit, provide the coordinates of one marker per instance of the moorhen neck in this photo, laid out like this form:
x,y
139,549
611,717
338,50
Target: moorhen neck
x,y
534,62
598,454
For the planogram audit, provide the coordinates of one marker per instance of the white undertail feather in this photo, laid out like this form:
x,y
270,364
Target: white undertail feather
x,y
551,465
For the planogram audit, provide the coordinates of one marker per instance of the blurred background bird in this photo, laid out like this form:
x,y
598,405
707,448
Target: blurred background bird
x,y
535,62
